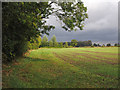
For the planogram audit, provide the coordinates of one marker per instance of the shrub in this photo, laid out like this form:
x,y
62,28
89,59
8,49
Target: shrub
x,y
92,46
70,46
103,45
108,45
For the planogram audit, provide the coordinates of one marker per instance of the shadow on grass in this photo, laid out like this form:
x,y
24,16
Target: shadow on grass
x,y
34,59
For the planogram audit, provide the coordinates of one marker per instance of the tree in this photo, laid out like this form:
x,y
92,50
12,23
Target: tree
x,y
115,44
44,41
108,45
72,15
34,43
103,45
84,43
98,45
61,44
89,43
53,39
66,45
38,40
55,44
95,45
50,43
22,21
74,42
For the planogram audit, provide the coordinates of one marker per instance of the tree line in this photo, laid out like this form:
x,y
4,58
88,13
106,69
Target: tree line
x,y
74,43
103,45
53,43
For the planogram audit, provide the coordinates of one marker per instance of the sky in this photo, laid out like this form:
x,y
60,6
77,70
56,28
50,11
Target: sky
x,y
101,26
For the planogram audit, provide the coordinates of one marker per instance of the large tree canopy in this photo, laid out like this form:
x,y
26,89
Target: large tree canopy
x,y
22,21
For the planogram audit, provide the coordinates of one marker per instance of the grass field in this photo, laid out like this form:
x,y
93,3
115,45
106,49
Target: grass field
x,y
64,68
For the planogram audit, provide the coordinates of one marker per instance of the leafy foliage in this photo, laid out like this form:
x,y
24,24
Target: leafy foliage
x,y
20,24
72,14
95,45
103,45
34,43
53,39
84,43
50,43
61,44
74,42
44,41
108,45
115,44
66,45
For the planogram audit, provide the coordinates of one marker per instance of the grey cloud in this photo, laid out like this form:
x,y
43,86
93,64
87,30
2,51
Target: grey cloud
x,y
104,15
102,25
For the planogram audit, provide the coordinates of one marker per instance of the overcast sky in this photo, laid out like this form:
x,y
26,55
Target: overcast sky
x,y
101,26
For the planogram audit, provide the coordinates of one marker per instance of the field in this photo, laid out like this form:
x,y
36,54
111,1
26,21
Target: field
x,y
64,68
